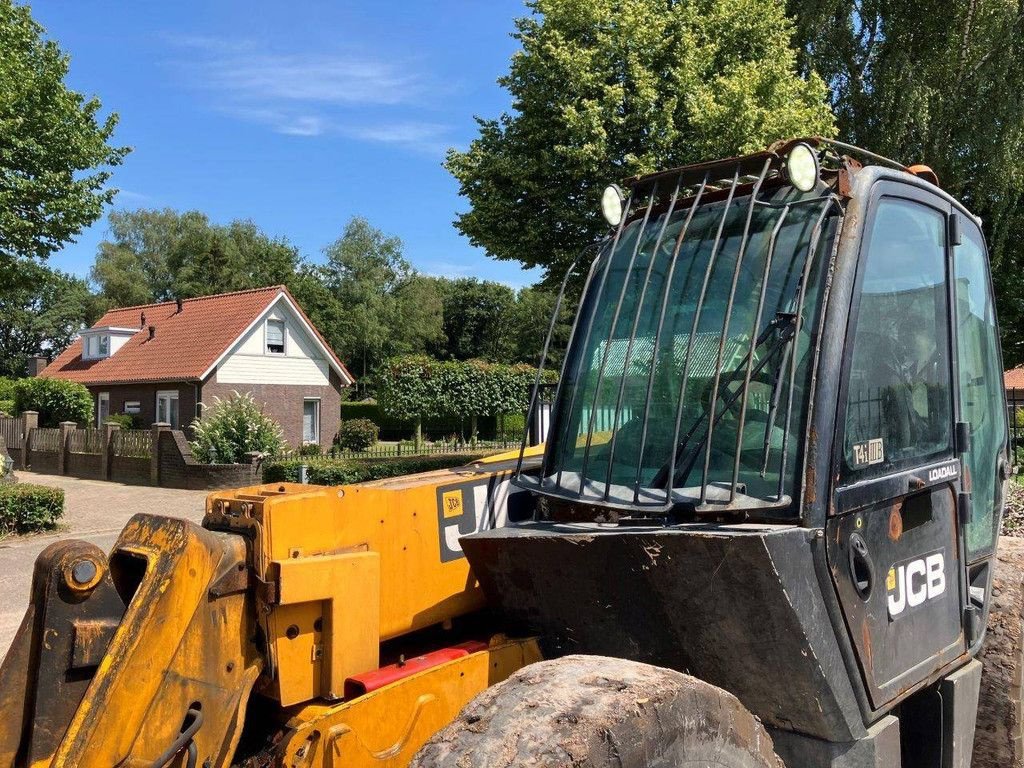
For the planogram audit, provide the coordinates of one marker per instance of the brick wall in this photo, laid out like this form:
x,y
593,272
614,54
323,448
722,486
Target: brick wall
x,y
130,470
284,403
47,462
86,465
179,470
145,394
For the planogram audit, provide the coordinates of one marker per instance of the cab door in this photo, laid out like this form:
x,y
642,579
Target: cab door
x,y
893,534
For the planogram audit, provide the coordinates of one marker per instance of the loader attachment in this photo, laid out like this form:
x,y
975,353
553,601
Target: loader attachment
x,y
126,660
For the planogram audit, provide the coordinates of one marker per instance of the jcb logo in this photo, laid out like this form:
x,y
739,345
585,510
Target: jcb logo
x,y
910,584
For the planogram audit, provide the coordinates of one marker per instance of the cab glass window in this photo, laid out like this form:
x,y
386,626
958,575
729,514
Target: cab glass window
x,y
981,393
898,406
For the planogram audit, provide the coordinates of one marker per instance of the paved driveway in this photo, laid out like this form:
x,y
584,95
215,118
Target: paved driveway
x,y
94,511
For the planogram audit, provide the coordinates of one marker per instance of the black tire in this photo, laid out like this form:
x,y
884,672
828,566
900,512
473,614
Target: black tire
x,y
999,736
593,712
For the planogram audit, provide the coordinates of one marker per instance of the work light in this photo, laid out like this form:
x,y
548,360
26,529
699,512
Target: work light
x,y
802,167
613,202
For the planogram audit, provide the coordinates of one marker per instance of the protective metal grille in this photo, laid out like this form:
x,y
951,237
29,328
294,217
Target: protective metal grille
x,y
682,251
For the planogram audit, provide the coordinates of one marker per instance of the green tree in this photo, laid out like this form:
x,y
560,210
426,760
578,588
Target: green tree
x,y
41,311
54,148
604,89
364,267
937,83
421,314
530,320
157,255
411,388
478,317
55,400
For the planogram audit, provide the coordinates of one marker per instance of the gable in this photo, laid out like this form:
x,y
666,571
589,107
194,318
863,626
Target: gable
x,y
303,362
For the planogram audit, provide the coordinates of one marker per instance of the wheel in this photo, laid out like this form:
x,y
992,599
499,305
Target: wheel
x,y
598,712
999,736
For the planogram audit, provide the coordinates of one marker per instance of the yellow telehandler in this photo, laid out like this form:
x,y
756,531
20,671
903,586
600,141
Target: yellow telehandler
x,y
762,531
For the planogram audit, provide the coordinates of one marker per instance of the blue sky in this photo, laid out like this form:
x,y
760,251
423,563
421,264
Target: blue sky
x,y
297,115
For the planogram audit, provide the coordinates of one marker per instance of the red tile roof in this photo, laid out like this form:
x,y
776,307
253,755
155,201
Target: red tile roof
x,y
185,344
1014,379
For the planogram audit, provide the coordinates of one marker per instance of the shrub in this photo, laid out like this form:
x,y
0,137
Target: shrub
x,y
27,508
56,400
123,420
7,407
347,471
6,388
310,449
357,434
232,428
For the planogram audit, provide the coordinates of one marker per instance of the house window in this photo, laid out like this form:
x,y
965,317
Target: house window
x,y
310,421
275,337
102,408
132,407
167,408
95,346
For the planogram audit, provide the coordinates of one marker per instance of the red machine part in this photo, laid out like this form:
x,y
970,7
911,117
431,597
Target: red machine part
x,y
357,685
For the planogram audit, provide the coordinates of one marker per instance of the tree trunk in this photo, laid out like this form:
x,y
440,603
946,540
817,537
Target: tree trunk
x,y
419,432
472,429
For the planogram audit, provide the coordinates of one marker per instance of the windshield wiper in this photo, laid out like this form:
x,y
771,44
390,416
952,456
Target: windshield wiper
x,y
784,325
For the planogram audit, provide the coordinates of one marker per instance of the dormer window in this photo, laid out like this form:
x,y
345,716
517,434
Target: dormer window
x,y
96,345
275,337
102,342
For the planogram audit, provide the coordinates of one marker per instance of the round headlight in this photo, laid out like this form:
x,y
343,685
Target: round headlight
x,y
802,167
613,202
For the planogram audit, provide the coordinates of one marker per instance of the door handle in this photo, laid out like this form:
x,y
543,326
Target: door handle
x,y
862,567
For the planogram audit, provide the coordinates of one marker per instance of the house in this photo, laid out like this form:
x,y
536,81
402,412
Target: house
x,y
1014,379
165,362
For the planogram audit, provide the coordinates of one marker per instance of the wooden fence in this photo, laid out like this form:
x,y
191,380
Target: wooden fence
x,y
45,439
12,431
133,443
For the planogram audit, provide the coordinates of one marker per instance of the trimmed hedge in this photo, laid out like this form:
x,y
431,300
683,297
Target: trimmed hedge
x,y
28,508
325,471
396,429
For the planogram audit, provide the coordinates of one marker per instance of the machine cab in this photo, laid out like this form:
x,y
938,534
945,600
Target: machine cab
x,y
918,456
794,338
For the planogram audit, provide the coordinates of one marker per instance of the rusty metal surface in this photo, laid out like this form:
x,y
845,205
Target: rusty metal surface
x,y
74,608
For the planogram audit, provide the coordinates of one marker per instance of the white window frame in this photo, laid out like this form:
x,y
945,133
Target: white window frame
x,y
316,423
100,399
170,394
284,337
91,344
132,407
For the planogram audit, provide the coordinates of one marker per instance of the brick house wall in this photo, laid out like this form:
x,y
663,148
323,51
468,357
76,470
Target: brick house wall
x,y
145,395
284,402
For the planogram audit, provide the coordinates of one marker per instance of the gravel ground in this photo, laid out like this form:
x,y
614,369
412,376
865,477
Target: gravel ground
x,y
1013,518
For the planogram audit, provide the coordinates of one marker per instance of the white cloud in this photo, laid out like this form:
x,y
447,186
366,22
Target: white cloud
x,y
424,137
313,94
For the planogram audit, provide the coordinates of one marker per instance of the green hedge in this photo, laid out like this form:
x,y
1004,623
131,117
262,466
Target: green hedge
x,y
324,471
28,508
55,400
435,429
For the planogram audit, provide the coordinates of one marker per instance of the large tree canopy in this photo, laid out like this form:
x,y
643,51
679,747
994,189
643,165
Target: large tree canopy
x,y
156,255
937,83
41,311
604,89
54,149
